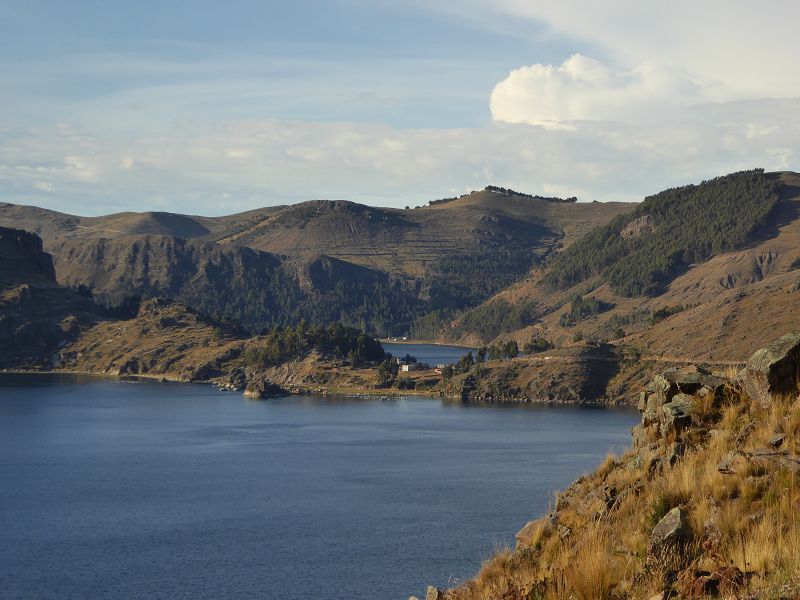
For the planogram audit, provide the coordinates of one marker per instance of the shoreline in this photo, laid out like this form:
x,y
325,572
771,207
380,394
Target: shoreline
x,y
350,392
354,392
426,343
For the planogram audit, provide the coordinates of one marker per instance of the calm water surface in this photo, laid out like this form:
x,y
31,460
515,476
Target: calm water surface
x,y
429,353
147,490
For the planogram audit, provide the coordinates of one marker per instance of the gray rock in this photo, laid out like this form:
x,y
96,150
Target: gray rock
x,y
732,462
676,415
672,530
677,450
434,593
262,388
531,529
776,441
773,370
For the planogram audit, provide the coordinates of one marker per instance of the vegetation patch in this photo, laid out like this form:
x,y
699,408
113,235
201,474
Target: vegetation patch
x,y
498,317
582,308
687,225
288,343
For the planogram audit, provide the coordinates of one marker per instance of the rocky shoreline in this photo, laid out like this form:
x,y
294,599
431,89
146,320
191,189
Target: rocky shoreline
x,y
703,505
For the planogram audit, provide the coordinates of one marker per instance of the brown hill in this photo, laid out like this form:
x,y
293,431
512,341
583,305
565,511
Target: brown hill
x,y
54,226
375,268
410,241
257,289
726,292
715,312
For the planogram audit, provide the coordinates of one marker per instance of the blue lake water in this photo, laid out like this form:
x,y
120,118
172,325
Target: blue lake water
x,y
155,490
432,354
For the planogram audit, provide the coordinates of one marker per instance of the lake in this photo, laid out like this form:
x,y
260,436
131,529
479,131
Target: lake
x,y
432,354
159,490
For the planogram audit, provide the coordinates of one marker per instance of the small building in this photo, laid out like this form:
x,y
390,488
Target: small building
x,y
405,368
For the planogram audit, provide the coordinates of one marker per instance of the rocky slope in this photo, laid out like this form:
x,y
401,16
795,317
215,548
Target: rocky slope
x,y
37,316
704,505
257,289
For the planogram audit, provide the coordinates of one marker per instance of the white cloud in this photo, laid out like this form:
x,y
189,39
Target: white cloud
x,y
582,88
44,186
749,49
190,167
651,57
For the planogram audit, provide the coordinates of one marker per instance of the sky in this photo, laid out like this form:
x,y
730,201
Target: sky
x,y
209,107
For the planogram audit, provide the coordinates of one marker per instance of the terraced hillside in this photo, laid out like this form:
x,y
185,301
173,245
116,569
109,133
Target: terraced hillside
x,y
375,268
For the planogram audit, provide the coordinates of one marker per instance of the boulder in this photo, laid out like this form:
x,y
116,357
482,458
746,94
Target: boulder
x,y
237,379
776,441
773,370
434,593
536,529
672,530
733,462
262,388
676,415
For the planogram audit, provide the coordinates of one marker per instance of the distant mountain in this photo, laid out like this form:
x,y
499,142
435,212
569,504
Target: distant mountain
x,y
378,269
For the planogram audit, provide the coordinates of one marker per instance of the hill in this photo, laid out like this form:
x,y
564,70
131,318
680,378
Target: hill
x,y
410,242
581,293
376,268
53,226
256,289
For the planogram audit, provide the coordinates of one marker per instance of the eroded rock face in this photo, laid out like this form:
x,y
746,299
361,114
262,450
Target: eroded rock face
x,y
773,370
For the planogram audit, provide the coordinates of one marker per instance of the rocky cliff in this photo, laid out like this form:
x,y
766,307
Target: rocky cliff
x,y
37,316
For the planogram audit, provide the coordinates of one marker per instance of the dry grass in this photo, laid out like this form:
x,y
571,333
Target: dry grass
x,y
747,520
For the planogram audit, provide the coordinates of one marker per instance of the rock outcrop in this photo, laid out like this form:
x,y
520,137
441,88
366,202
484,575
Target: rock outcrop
x,y
671,531
773,370
37,316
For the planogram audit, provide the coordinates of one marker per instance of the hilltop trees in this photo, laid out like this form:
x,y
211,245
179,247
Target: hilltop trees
x,y
282,344
684,225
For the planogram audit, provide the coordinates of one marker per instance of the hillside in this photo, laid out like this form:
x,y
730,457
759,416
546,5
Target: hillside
x,y
378,269
736,289
53,225
257,289
703,505
411,241
37,316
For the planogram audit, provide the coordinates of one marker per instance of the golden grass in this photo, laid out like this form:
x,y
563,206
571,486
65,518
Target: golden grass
x,y
748,520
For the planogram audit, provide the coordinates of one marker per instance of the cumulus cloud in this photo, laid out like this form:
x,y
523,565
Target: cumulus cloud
x,y
748,49
582,88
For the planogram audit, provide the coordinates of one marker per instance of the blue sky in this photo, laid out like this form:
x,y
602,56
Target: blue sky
x,y
312,60
213,107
